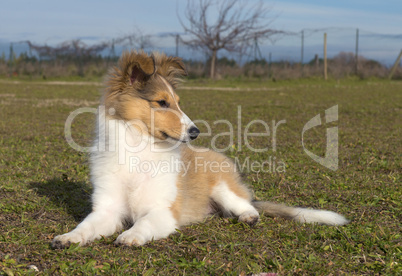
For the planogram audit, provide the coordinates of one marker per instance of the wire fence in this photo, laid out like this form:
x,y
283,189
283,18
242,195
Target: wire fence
x,y
347,47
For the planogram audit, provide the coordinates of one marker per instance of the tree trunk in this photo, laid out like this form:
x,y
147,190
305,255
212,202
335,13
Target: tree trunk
x,y
213,65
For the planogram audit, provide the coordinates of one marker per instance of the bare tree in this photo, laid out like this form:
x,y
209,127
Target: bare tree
x,y
73,48
137,39
77,49
236,26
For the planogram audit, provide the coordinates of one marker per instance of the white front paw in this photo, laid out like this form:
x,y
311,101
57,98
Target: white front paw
x,y
130,238
250,217
65,240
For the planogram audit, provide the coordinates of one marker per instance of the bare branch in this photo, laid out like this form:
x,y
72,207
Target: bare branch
x,y
73,48
235,29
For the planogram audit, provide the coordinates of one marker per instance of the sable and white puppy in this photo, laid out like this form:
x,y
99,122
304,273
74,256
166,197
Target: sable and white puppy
x,y
144,172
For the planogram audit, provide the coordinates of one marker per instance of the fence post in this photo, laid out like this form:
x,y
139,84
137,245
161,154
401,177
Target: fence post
x,y
177,45
269,64
325,57
302,52
11,60
357,52
395,65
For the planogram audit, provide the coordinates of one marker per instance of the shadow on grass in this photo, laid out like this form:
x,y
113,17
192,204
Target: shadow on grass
x,y
74,196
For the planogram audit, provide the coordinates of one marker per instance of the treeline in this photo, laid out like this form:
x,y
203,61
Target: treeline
x,y
342,65
61,66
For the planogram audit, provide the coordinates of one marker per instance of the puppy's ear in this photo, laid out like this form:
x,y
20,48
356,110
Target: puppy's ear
x,y
172,69
177,66
141,70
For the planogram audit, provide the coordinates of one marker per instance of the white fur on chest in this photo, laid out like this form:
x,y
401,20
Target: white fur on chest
x,y
140,174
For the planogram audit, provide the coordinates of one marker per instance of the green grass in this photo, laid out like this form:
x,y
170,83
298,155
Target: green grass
x,y
45,189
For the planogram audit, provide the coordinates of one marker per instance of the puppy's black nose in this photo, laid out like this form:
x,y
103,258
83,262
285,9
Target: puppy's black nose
x,y
193,132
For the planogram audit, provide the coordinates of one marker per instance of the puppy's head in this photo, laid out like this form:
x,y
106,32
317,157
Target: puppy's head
x,y
141,91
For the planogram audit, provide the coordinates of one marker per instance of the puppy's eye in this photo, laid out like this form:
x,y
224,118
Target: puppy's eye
x,y
163,103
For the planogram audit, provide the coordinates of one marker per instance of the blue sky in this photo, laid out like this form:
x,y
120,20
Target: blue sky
x,y
51,22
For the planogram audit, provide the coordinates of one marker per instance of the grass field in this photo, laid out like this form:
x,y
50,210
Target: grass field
x,y
45,191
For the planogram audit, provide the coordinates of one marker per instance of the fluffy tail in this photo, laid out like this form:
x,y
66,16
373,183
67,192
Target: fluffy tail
x,y
300,214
